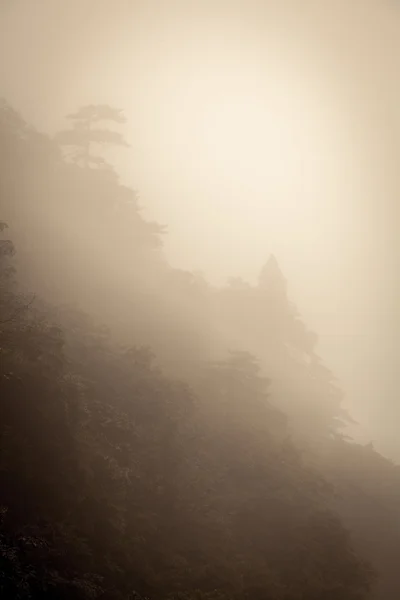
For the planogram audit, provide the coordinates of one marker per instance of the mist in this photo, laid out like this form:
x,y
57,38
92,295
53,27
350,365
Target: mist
x,y
209,189
321,216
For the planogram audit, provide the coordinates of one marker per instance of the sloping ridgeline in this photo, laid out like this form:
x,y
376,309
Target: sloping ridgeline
x,y
117,477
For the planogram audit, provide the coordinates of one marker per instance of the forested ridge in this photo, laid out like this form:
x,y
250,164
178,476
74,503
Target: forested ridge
x,y
161,438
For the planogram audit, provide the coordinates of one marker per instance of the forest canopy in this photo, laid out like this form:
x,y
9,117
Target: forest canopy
x,y
159,437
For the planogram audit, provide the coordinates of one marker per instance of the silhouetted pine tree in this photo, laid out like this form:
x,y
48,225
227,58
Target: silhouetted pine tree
x,y
84,134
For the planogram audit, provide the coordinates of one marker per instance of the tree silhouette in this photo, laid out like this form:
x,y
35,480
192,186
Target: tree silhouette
x,y
84,133
118,481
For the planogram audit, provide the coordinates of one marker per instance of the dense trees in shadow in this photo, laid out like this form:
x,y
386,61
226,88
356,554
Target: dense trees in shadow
x,y
158,437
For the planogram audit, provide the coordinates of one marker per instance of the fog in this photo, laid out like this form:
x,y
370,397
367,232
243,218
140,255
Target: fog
x,y
198,299
308,99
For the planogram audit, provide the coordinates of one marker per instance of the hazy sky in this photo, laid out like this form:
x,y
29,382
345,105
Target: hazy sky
x,y
256,126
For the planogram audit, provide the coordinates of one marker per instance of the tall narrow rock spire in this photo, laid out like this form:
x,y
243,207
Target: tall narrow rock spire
x,y
271,278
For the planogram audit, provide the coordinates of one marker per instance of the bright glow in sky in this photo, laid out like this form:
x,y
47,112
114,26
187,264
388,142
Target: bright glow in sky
x,y
255,126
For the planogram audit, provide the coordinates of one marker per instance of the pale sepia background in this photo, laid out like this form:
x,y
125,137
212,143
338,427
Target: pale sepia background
x,y
255,127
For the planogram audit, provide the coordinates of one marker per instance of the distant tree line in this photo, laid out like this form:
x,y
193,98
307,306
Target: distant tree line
x,y
135,463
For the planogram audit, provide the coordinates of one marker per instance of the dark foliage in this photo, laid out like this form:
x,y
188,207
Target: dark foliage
x,y
120,481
